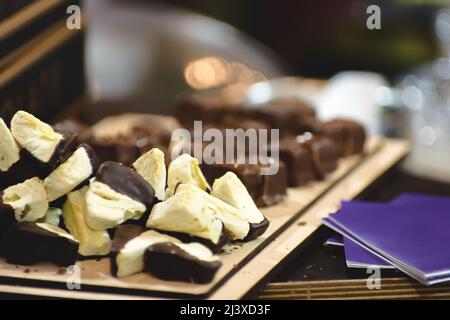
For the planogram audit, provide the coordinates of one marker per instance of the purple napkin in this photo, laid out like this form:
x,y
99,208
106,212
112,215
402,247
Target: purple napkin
x,y
403,199
415,198
358,257
414,238
335,241
332,225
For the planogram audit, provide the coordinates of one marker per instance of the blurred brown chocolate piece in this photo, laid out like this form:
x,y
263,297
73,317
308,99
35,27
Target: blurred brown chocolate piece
x,y
125,137
74,125
323,152
246,142
121,149
233,122
208,108
290,116
298,161
274,187
349,136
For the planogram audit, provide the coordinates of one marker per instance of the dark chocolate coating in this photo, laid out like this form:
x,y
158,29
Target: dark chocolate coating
x,y
6,215
142,221
334,131
65,148
324,155
25,243
93,158
126,181
167,261
122,235
257,230
95,163
355,136
187,238
27,167
274,187
298,162
349,136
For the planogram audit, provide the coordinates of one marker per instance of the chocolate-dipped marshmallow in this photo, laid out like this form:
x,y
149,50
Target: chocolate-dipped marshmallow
x,y
92,242
74,171
116,194
191,262
231,190
152,167
27,243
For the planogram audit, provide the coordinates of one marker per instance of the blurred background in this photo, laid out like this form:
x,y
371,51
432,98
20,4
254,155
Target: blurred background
x,y
395,79
147,44
138,55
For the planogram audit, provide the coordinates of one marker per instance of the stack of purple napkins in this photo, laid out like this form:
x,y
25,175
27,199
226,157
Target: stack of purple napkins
x,y
412,234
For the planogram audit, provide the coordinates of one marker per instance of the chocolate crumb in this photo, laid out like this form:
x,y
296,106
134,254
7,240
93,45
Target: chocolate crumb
x,y
302,223
61,271
27,270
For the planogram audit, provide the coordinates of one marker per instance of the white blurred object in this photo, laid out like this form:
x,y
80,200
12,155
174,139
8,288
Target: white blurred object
x,y
426,97
354,95
427,101
286,87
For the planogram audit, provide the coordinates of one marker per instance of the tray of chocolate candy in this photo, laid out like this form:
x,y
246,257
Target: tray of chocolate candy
x,y
109,203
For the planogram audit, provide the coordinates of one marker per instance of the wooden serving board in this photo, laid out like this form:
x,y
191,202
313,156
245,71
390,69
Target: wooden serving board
x,y
244,265
355,289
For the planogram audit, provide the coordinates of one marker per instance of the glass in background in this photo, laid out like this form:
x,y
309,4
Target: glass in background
x,y
426,97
